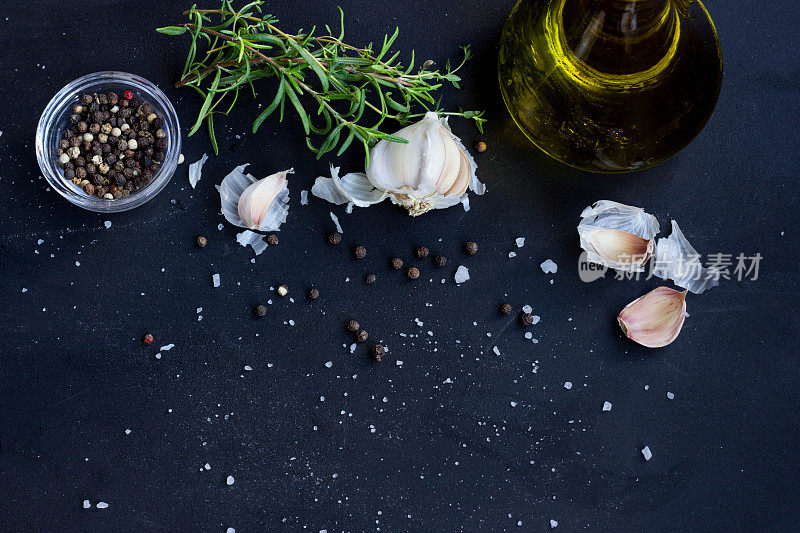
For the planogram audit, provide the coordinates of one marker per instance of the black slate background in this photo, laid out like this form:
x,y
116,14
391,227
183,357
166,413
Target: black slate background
x,y
449,452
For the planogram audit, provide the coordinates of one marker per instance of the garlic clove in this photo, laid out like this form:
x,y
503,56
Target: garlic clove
x,y
617,235
655,319
677,260
255,204
616,248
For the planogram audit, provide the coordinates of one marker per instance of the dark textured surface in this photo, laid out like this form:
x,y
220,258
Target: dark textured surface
x,y
448,452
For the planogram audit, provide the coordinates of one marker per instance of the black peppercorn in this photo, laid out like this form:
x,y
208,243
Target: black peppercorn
x,y
69,174
79,161
506,309
360,252
334,238
413,273
353,326
378,351
68,134
88,188
397,263
80,173
370,279
361,336
272,238
526,319
202,241
422,252
83,127
86,99
313,294
440,260
470,247
260,310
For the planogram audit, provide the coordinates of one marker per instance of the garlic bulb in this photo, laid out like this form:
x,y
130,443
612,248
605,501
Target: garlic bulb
x,y
655,319
260,205
617,235
677,260
432,171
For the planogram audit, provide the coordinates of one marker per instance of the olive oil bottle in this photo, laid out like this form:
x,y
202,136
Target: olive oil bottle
x,y
610,85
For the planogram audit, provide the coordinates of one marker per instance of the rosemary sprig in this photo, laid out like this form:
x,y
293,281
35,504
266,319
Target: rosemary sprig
x,y
348,91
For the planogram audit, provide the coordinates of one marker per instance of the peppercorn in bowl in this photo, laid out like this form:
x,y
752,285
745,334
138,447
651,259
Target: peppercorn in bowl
x,y
108,141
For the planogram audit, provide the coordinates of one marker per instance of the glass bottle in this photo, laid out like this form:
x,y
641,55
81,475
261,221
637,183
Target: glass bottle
x,y
610,85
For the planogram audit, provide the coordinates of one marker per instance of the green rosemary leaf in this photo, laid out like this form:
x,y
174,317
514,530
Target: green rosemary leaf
x,y
290,92
172,30
312,62
346,143
268,111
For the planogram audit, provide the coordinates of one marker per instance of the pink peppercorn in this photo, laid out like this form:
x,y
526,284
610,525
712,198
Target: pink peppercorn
x,y
127,95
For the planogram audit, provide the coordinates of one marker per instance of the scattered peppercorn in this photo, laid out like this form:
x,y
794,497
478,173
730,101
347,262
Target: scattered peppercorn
x,y
260,310
272,239
334,238
378,351
127,95
313,294
148,339
202,241
470,247
353,325
422,252
526,319
370,279
361,336
440,260
506,309
283,290
413,273
481,147
360,252
397,263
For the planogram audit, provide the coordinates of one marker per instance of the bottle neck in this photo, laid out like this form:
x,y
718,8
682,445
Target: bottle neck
x,y
619,36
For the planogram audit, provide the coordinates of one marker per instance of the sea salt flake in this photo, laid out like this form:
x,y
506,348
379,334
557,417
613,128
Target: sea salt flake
x,y
304,197
553,523
549,267
513,404
127,431
248,368
528,335
568,385
215,280
207,466
86,504
229,480
230,530
462,274
102,505
527,309
329,364
512,254
166,348
399,362
670,395
107,224
647,453
606,406
520,242
536,319
496,350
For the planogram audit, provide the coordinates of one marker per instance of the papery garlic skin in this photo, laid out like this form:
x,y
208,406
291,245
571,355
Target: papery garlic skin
x,y
260,205
432,171
655,319
677,260
619,236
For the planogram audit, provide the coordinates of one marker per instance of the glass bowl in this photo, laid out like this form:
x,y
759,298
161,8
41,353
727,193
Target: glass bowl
x,y
55,119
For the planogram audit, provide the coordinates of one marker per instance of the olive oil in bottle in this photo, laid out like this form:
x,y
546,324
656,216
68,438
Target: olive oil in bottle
x,y
610,85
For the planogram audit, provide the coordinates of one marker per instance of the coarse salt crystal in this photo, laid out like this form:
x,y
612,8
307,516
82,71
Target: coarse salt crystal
x,y
329,364
462,274
553,523
166,348
229,480
102,505
207,466
127,431
647,453
567,385
512,254
215,280
520,242
86,504
496,350
535,319
549,267
670,395
527,309
606,406
513,404
304,197
107,224
230,530
399,362
336,221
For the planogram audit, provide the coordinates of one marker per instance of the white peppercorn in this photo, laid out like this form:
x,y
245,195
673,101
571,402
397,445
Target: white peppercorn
x,y
103,138
97,159
151,117
73,152
116,132
108,196
125,127
180,159
63,159
132,144
114,109
103,168
88,137
161,133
